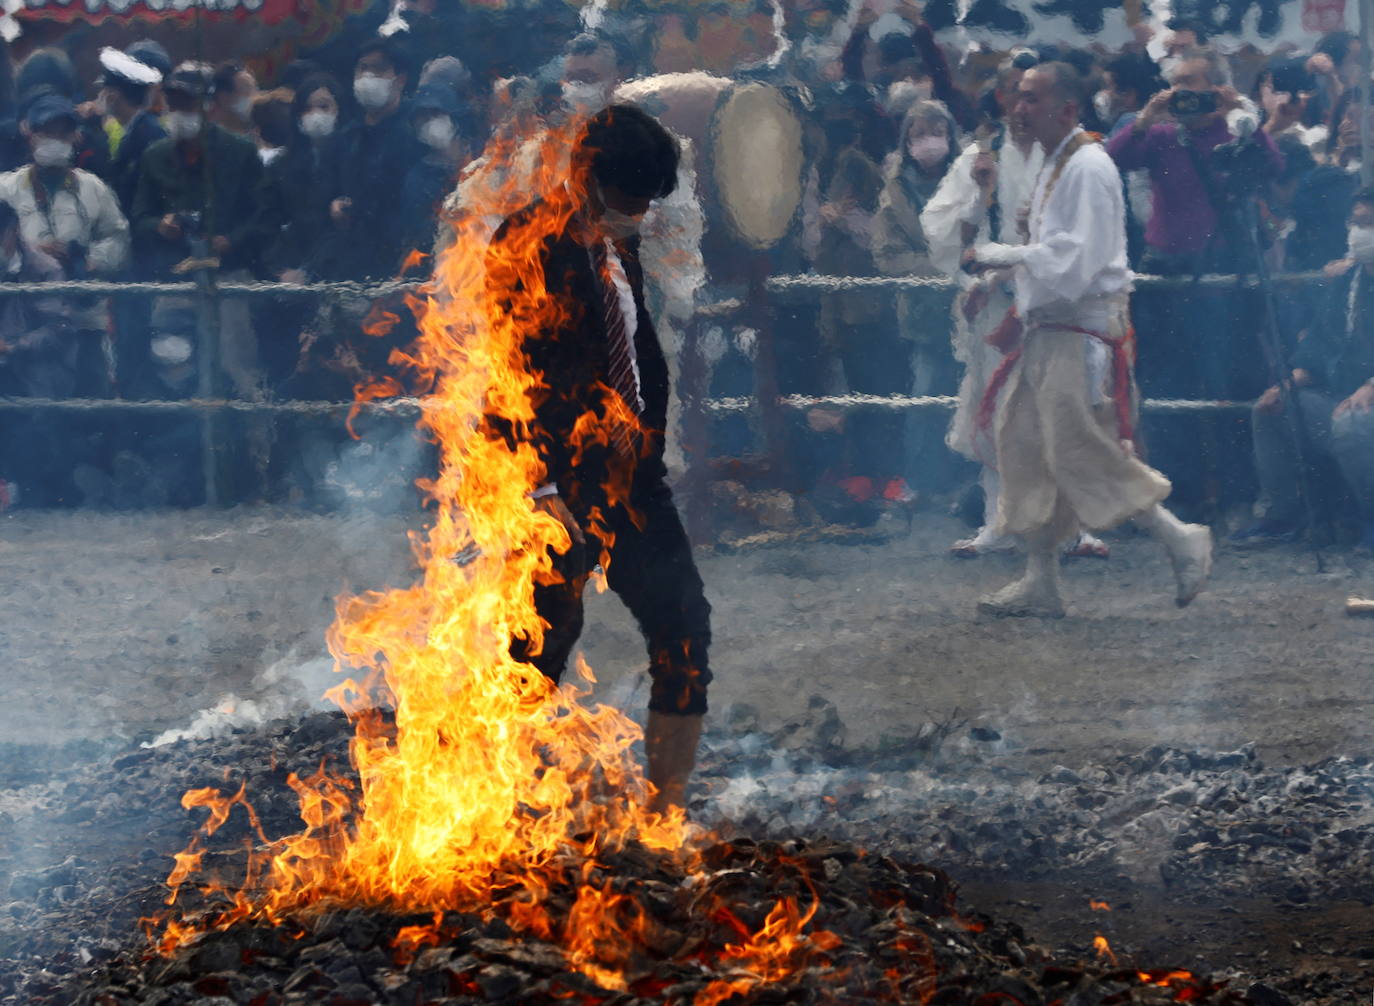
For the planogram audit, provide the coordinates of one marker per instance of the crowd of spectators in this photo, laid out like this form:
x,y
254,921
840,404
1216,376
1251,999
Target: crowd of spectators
x,y
156,166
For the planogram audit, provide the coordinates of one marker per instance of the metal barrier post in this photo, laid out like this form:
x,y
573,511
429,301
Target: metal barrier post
x,y
207,332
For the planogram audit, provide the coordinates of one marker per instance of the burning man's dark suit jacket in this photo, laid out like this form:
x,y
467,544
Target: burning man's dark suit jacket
x,y
574,357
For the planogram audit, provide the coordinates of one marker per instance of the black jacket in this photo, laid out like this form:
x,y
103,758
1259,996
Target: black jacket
x,y
172,179
375,161
300,186
122,175
1338,350
574,361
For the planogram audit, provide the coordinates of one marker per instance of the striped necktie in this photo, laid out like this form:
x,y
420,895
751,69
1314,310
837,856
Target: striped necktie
x,y
620,370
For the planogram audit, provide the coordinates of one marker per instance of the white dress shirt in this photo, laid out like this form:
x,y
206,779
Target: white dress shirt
x,y
1073,270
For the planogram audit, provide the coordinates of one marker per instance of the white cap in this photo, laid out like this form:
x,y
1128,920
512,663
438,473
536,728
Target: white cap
x,y
121,64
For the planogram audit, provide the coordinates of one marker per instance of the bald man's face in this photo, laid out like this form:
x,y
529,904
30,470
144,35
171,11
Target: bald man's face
x,y
1039,113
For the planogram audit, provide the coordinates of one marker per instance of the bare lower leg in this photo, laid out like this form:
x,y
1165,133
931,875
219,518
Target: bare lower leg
x,y
670,745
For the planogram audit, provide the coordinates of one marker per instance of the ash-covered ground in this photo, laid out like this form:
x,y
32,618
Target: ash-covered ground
x,y
1205,771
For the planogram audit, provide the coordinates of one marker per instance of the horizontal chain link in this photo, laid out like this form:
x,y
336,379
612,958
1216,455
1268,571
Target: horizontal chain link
x,y
104,288
949,402
414,406
1142,281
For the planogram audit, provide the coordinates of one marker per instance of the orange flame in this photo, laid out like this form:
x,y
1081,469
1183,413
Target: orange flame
x,y
1104,949
1098,906
491,777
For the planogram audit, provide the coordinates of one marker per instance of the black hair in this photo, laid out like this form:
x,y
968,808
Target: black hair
x,y
895,47
298,71
131,91
1135,71
1289,75
313,83
1297,159
225,77
1196,25
627,148
1336,45
396,53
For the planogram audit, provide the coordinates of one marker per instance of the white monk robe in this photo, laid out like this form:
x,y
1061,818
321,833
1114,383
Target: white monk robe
x,y
959,201
1061,460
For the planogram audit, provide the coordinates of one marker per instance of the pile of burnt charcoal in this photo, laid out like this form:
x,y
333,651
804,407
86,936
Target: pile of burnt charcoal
x,y
882,931
83,854
1217,822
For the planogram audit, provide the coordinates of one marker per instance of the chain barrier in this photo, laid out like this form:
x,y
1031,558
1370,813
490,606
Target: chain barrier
x,y
802,284
415,406
785,285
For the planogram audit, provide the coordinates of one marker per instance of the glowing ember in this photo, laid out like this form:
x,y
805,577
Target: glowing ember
x,y
1104,949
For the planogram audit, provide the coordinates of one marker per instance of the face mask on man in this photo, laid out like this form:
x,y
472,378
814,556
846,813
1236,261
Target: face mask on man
x,y
584,96
438,132
318,125
373,92
52,153
928,151
1360,244
183,125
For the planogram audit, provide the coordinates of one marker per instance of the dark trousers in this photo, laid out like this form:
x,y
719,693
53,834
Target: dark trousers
x,y
649,565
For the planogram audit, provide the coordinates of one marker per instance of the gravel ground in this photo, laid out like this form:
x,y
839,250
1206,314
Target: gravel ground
x,y
120,628
123,626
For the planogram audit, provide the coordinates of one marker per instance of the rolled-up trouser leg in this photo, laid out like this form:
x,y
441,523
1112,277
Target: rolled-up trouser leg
x,y
652,570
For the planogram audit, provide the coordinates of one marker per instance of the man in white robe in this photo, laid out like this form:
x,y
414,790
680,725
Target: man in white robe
x,y
1060,445
979,181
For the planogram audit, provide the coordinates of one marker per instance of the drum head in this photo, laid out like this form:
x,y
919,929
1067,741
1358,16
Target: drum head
x,y
756,147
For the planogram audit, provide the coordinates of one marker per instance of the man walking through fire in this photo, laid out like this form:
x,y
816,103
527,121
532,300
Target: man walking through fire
x,y
1062,430
604,359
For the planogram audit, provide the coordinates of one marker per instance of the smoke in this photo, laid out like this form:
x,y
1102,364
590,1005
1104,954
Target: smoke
x,y
289,687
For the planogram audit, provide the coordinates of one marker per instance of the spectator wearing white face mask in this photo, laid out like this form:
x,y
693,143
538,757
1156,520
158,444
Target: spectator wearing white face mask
x,y
302,184
70,227
442,125
1332,382
927,146
378,151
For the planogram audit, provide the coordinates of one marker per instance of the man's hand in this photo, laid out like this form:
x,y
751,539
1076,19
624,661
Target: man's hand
x,y
554,506
970,264
296,276
1361,401
1320,65
220,244
1272,400
985,172
169,228
341,211
975,300
1339,267
1155,110
56,249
